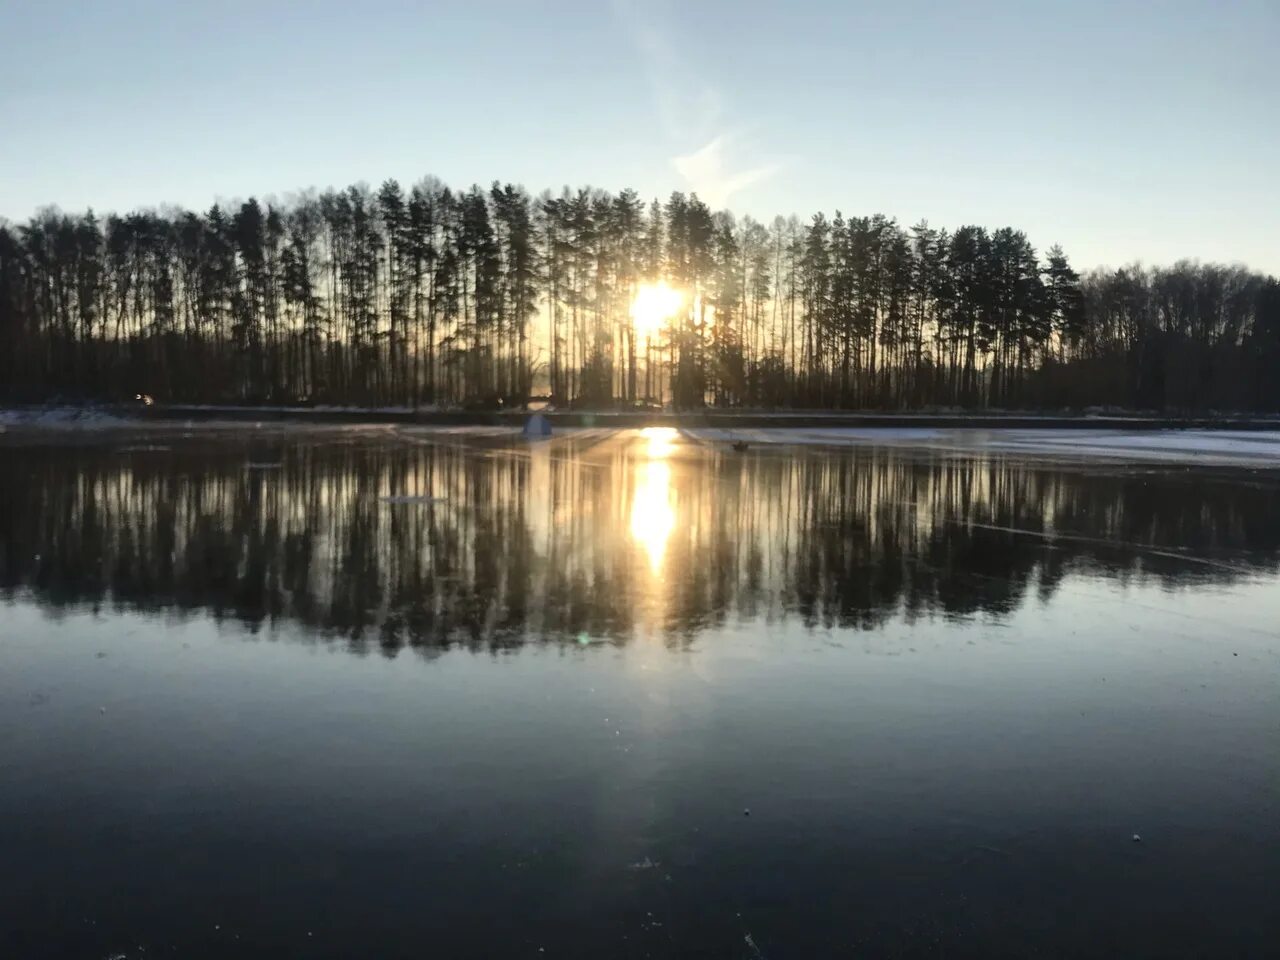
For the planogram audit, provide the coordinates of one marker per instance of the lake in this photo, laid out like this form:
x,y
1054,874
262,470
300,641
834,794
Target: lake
x,y
444,693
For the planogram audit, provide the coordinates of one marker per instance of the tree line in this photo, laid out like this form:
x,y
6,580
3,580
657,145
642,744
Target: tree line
x,y
433,296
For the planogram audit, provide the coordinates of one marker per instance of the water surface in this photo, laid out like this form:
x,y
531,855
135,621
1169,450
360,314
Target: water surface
x,y
406,693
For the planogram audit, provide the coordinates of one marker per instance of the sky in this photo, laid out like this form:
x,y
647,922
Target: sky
x,y
1121,130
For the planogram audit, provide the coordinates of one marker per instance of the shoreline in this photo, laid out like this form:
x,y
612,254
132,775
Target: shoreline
x,y
708,418
1236,441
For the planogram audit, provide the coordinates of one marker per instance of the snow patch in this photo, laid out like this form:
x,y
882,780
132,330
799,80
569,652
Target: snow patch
x,y
60,418
1218,447
298,408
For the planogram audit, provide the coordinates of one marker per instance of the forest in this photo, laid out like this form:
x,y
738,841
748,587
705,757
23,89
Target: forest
x,y
432,297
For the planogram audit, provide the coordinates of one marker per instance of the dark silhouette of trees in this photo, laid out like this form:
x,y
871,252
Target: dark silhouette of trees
x,y
426,295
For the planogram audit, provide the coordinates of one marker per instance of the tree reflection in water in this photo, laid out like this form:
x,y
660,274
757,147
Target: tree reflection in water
x,y
607,538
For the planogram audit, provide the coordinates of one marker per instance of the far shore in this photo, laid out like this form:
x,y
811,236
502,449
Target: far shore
x,y
744,419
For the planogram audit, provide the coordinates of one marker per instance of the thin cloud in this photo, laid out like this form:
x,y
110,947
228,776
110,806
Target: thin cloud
x,y
690,112
704,172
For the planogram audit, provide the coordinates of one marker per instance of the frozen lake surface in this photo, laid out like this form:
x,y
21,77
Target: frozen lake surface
x,y
1235,447
406,692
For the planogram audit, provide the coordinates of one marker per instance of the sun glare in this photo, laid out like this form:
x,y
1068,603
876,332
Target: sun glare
x,y
654,305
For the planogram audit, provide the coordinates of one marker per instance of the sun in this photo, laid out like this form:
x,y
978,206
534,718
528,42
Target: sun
x,y
654,305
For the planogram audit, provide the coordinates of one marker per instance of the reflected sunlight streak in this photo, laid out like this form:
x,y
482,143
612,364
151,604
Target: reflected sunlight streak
x,y
652,515
661,440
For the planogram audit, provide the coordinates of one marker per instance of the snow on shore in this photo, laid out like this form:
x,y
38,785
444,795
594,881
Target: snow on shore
x,y
60,418
1251,448
1231,447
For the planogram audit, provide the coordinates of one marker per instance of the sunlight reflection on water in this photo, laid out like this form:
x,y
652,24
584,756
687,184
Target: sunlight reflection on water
x,y
652,512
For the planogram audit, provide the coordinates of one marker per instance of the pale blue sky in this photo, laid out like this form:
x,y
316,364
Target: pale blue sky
x,y
1121,130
